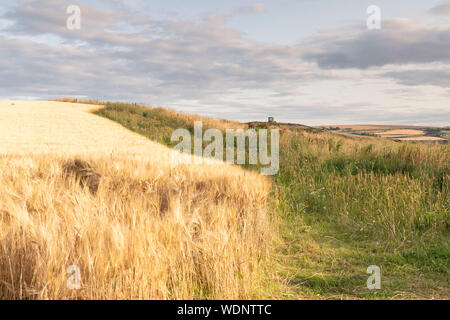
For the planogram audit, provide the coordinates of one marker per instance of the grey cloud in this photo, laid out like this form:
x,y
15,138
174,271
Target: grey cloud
x,y
421,77
99,27
32,69
49,16
398,42
167,59
442,9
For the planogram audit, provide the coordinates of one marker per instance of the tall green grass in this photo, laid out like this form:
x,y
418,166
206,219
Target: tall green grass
x,y
156,123
390,193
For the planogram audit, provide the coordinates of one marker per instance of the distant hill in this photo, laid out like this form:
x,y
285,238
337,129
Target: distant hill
x,y
394,132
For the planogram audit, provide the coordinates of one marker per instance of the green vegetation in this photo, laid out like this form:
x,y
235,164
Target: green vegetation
x,y
156,123
345,204
359,204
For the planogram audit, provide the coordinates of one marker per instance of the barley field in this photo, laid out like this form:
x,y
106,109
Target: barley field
x,y
77,189
49,127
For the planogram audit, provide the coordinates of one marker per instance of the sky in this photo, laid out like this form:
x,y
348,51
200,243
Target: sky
x,y
313,62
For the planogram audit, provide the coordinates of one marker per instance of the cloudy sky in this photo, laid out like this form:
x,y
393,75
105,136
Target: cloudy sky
x,y
305,61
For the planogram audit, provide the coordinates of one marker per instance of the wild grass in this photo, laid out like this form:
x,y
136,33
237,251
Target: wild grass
x,y
394,192
345,203
159,123
348,204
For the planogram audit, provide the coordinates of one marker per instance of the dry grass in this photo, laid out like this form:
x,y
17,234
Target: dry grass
x,y
149,229
71,100
79,101
208,122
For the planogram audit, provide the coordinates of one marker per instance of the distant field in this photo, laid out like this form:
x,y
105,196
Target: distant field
x,y
375,127
424,138
402,132
406,133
